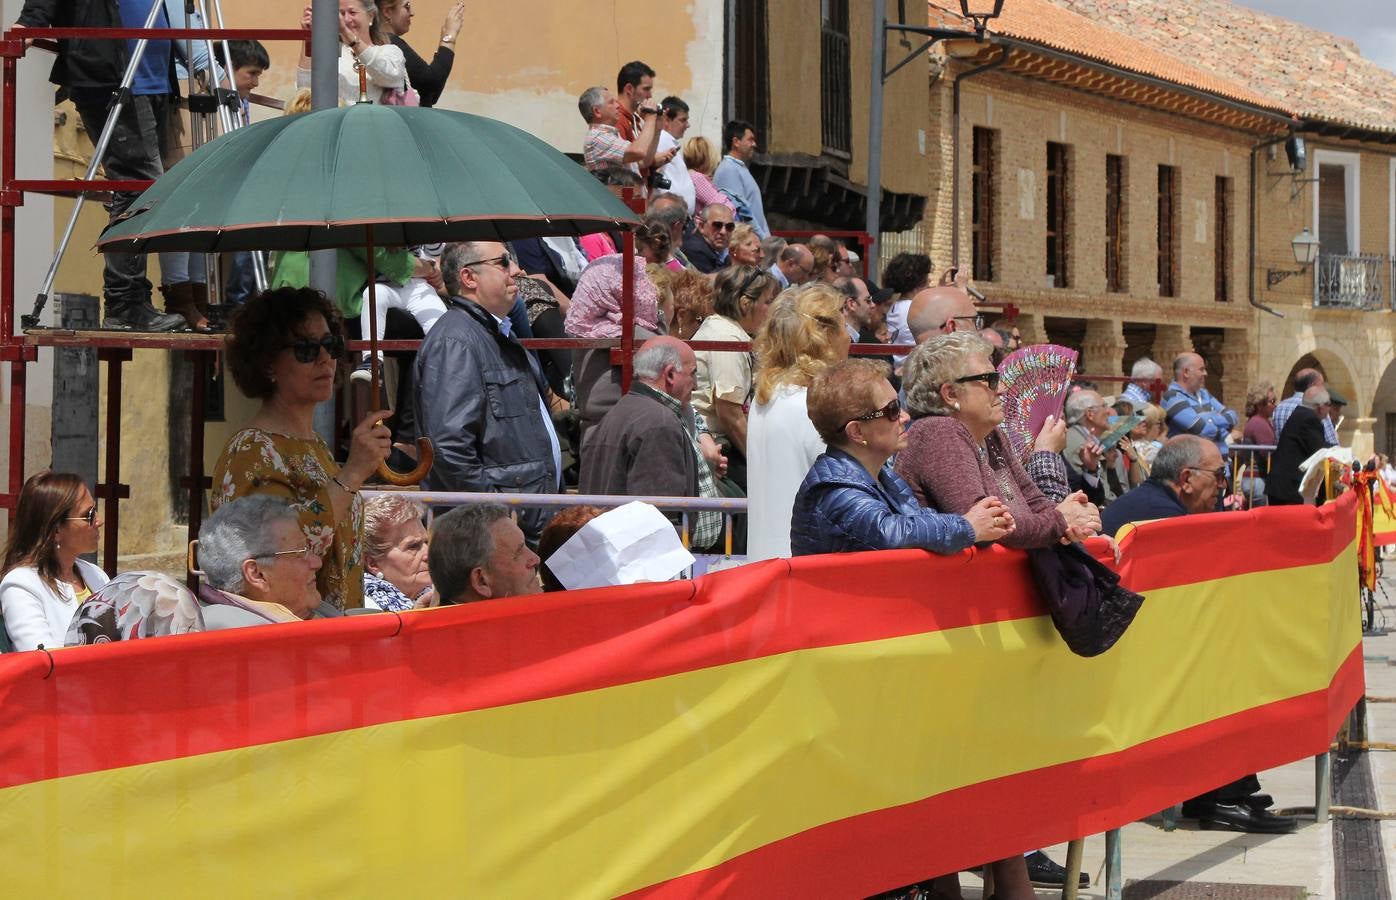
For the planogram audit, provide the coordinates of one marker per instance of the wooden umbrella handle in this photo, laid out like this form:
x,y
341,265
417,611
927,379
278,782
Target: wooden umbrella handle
x,y
425,457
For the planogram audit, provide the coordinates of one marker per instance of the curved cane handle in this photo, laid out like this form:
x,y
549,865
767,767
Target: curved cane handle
x,y
425,457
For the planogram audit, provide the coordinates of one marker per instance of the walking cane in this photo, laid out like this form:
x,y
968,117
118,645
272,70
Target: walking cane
x,y
119,100
425,454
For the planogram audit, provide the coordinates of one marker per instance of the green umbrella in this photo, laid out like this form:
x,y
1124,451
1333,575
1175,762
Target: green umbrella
x,y
362,174
366,175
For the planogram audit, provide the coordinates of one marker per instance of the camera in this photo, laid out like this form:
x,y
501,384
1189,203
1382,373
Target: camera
x,y
657,181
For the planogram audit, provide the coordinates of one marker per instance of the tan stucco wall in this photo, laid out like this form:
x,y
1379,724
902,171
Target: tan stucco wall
x,y
794,57
526,61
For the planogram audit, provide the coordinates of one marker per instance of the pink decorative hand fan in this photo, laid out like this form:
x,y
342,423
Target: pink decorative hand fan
x,y
1034,381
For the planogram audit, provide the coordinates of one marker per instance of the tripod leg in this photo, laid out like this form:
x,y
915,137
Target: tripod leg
x,y
99,150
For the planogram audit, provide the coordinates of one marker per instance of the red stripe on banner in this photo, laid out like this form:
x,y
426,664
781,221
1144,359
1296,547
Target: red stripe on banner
x,y
1186,550
950,832
1385,538
143,701
120,704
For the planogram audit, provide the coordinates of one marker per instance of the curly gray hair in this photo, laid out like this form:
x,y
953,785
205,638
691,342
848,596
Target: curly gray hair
x,y
237,531
938,361
384,513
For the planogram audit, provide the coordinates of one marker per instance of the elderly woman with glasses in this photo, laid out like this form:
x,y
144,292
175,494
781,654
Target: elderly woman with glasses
x,y
955,454
55,522
726,383
803,336
283,350
851,499
259,566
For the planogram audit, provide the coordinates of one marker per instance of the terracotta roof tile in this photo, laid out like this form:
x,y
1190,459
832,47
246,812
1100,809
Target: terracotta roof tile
x,y
1316,74
1053,25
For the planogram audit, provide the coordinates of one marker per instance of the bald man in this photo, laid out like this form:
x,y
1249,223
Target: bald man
x,y
1190,409
648,444
941,310
1303,380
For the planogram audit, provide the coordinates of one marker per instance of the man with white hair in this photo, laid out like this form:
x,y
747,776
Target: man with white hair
x,y
1087,417
260,565
1303,380
1144,372
647,444
604,146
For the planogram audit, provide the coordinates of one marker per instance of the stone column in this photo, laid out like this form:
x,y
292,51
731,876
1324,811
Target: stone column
x,y
1032,327
1169,342
1358,434
1237,354
1103,352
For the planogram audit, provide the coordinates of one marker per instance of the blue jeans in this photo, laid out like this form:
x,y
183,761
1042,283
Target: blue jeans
x,y
134,153
242,282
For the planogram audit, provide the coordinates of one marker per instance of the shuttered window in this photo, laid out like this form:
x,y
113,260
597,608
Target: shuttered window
x,y
1115,229
1058,196
984,190
1221,241
1168,226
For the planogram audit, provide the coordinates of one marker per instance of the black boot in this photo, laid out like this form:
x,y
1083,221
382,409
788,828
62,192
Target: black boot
x,y
141,316
1043,872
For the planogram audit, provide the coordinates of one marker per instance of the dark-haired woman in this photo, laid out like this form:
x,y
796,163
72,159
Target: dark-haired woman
x,y
56,521
282,351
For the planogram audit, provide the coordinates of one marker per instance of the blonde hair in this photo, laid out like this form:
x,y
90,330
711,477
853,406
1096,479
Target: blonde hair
x,y
693,300
698,155
743,232
937,362
799,339
299,103
662,277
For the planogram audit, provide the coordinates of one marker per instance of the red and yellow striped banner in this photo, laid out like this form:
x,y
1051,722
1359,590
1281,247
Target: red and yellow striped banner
x,y
832,726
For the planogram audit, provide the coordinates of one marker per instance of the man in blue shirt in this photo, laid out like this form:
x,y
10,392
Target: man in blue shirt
x,y
91,71
1190,409
734,179
1303,380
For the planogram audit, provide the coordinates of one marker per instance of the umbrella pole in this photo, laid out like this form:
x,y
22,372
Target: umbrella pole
x,y
374,371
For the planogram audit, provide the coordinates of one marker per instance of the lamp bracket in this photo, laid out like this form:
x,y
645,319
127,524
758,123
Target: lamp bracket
x,y
932,36
1275,276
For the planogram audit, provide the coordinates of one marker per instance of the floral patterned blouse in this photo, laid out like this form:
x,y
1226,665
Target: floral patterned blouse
x,y
298,470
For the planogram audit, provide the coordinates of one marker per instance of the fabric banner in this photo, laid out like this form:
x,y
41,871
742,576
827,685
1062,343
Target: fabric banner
x,y
1383,525
828,726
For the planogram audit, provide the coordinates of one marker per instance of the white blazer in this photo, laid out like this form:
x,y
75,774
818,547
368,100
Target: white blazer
x,y
36,615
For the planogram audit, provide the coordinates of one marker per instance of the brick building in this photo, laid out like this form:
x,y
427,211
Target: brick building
x,y
1102,189
1338,313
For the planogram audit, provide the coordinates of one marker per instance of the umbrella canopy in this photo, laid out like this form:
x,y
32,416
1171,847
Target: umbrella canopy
x,y
320,180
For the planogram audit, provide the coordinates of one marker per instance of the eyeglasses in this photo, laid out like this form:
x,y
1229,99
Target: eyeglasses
x,y
306,350
976,320
1219,474
301,552
90,517
504,261
891,412
990,379
723,226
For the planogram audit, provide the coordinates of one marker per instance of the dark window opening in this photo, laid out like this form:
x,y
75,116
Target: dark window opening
x,y
1115,228
1057,203
1168,226
836,107
984,190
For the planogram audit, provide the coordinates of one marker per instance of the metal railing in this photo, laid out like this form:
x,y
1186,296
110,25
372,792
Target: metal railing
x,y
1351,281
836,107
728,506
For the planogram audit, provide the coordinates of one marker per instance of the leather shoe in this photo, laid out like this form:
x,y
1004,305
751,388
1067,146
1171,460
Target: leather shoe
x,y
1259,801
1243,817
1043,872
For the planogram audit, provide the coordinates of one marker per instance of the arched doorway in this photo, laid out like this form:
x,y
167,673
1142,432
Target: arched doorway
x,y
1384,412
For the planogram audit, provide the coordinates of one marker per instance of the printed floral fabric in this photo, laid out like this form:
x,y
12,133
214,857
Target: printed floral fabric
x,y
135,605
298,470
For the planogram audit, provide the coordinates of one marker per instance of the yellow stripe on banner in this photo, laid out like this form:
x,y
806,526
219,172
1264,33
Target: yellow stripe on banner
x,y
600,793
1382,522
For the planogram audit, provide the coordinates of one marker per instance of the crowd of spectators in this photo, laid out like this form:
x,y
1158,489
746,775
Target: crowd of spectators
x,y
834,454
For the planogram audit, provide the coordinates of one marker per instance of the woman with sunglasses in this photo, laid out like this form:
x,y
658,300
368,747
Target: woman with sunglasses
x,y
282,350
851,499
956,455
803,336
56,521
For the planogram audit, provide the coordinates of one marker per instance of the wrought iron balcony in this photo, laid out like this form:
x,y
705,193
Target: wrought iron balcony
x,y
1351,281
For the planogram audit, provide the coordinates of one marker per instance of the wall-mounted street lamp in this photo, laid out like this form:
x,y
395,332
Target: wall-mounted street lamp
x,y
977,11
1305,247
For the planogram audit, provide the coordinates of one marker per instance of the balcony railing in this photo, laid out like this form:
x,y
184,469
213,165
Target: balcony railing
x,y
1351,282
836,106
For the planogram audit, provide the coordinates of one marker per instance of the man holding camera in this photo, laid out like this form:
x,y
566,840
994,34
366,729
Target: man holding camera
x,y
604,147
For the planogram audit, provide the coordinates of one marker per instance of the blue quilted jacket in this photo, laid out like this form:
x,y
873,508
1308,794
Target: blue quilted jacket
x,y
840,509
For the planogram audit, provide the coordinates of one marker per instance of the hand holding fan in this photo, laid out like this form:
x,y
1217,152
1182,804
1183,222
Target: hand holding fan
x,y
1034,382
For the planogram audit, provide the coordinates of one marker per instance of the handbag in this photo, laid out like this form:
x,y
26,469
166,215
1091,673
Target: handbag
x,y
403,96
1089,608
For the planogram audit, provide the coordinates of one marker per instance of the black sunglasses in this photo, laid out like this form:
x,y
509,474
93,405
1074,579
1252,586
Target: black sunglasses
x,y
90,517
306,350
990,379
723,226
1218,474
503,261
891,412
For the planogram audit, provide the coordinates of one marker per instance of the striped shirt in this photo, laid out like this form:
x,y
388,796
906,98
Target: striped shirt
x,y
1288,405
1200,414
